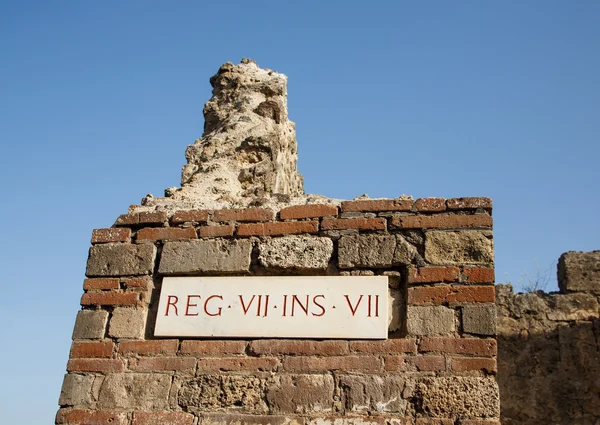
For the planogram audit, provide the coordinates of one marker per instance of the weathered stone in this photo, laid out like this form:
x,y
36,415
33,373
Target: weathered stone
x,y
459,247
458,397
406,254
430,320
360,420
238,419
127,322
78,390
249,147
579,271
296,252
212,392
577,306
90,324
396,311
197,256
373,393
135,391
366,251
479,319
301,394
120,259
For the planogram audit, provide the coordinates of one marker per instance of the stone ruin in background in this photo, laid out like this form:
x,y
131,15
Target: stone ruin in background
x,y
242,212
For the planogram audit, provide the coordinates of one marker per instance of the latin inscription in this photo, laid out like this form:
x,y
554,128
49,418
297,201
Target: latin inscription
x,y
325,307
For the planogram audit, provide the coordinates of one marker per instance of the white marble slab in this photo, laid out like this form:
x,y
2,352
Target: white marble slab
x,y
352,307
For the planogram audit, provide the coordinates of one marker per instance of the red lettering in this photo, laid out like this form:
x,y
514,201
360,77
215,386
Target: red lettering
x,y
244,305
353,310
258,306
376,305
169,303
266,305
369,309
284,304
188,305
318,305
218,313
296,300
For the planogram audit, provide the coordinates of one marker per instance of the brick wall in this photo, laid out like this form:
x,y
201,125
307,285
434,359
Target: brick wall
x,y
549,348
437,366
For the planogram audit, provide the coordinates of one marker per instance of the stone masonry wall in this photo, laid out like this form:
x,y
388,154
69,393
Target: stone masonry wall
x,y
437,367
549,348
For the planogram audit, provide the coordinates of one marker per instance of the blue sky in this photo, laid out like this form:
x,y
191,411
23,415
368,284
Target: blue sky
x,y
98,101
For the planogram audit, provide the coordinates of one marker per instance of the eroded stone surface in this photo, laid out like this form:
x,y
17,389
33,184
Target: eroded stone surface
x,y
459,247
210,392
458,397
120,259
78,390
90,324
373,393
127,322
205,256
430,320
366,251
301,394
296,252
135,391
479,319
579,271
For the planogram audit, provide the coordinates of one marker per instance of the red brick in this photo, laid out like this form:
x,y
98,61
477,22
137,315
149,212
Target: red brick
x,y
464,364
95,365
415,363
308,211
276,229
153,217
430,204
155,364
439,221
91,417
92,349
151,347
345,363
354,223
164,233
468,203
473,346
139,282
111,235
247,214
128,219
197,216
162,418
389,346
443,294
433,274
478,275
376,205
299,347
101,284
216,231
228,364
110,298
212,347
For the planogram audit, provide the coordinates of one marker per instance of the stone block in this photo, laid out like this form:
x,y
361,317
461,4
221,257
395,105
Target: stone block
x,y
213,392
78,390
301,394
430,320
579,271
405,253
459,247
127,322
373,393
120,259
575,306
90,324
199,256
458,397
142,391
366,251
296,252
479,319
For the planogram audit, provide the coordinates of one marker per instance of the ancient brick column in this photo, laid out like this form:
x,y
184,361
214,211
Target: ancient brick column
x,y
241,211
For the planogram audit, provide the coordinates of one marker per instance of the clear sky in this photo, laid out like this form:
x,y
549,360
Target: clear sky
x,y
98,101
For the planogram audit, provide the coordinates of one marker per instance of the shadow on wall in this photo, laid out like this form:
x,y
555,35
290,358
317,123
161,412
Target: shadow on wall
x,y
549,348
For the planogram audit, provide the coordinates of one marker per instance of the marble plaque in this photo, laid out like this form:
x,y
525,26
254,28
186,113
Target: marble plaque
x,y
349,307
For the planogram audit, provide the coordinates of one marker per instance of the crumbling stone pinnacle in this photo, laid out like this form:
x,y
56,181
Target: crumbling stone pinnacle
x,y
248,150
